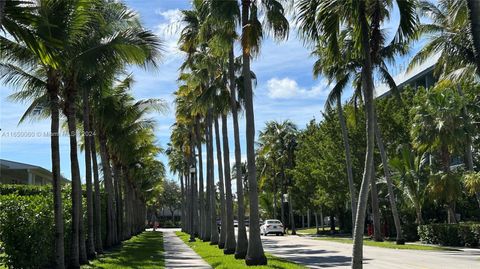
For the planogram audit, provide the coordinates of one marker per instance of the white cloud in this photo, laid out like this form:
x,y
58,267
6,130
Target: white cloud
x,y
169,31
288,88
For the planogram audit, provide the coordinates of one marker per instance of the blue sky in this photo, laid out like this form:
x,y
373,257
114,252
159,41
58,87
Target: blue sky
x,y
286,90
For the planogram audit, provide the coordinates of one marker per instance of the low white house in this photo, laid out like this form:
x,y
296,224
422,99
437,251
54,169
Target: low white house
x,y
21,173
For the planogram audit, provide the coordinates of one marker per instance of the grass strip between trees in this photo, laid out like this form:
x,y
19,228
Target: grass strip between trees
x,y
215,257
142,251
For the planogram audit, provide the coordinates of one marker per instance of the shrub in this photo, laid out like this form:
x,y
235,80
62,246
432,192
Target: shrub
x,y
23,190
26,230
463,234
27,225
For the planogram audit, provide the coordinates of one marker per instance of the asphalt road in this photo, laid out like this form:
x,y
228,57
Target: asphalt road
x,y
326,254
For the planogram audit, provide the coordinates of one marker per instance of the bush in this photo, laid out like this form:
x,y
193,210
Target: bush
x,y
463,234
27,225
23,190
26,230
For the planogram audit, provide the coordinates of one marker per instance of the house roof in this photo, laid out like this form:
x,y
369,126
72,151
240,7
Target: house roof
x,y
18,166
6,164
407,76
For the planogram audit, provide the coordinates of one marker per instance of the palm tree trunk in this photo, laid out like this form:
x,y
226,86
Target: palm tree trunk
x,y
418,211
230,229
88,175
208,207
108,185
308,218
292,216
117,176
391,195
53,91
242,242
255,254
97,204
214,236
322,224
316,223
368,87
377,234
182,190
77,251
348,160
474,14
194,193
2,10
128,206
223,216
201,197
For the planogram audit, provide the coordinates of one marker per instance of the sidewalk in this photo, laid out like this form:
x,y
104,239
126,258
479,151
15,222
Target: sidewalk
x,y
178,254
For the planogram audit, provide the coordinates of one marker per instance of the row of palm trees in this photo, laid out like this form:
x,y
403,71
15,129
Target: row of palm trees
x,y
214,83
69,57
351,46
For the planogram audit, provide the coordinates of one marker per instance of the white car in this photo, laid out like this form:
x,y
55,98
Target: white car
x,y
271,226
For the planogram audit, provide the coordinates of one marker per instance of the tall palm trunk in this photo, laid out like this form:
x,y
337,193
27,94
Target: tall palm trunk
x,y
391,195
368,87
188,198
255,254
377,234
348,160
53,91
97,198
229,226
292,216
474,14
223,216
194,193
242,242
78,250
108,184
88,175
2,11
128,205
213,207
182,190
201,197
208,206
117,175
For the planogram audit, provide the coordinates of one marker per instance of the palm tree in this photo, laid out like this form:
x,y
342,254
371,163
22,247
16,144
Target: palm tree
x,y
474,14
251,36
277,144
448,38
436,127
411,172
472,184
223,216
325,18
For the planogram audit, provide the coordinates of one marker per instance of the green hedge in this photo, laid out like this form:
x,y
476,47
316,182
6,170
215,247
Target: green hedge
x,y
463,234
26,231
27,225
22,190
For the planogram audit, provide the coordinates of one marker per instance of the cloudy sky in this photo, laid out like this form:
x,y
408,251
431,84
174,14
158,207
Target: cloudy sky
x,y
286,89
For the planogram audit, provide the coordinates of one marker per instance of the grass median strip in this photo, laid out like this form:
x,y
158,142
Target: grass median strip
x,y
385,244
142,251
215,257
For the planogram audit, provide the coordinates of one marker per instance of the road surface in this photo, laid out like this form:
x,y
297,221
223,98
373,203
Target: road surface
x,y
327,254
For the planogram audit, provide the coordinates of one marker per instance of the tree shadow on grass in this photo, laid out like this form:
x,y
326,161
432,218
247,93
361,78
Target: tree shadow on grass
x,y
142,251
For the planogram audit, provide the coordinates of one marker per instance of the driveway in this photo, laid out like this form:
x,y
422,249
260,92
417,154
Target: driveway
x,y
326,254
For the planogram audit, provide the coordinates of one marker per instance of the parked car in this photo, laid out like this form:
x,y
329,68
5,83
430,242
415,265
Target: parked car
x,y
272,226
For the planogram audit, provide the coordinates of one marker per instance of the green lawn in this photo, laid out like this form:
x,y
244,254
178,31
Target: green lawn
x,y
313,230
215,257
143,251
385,244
